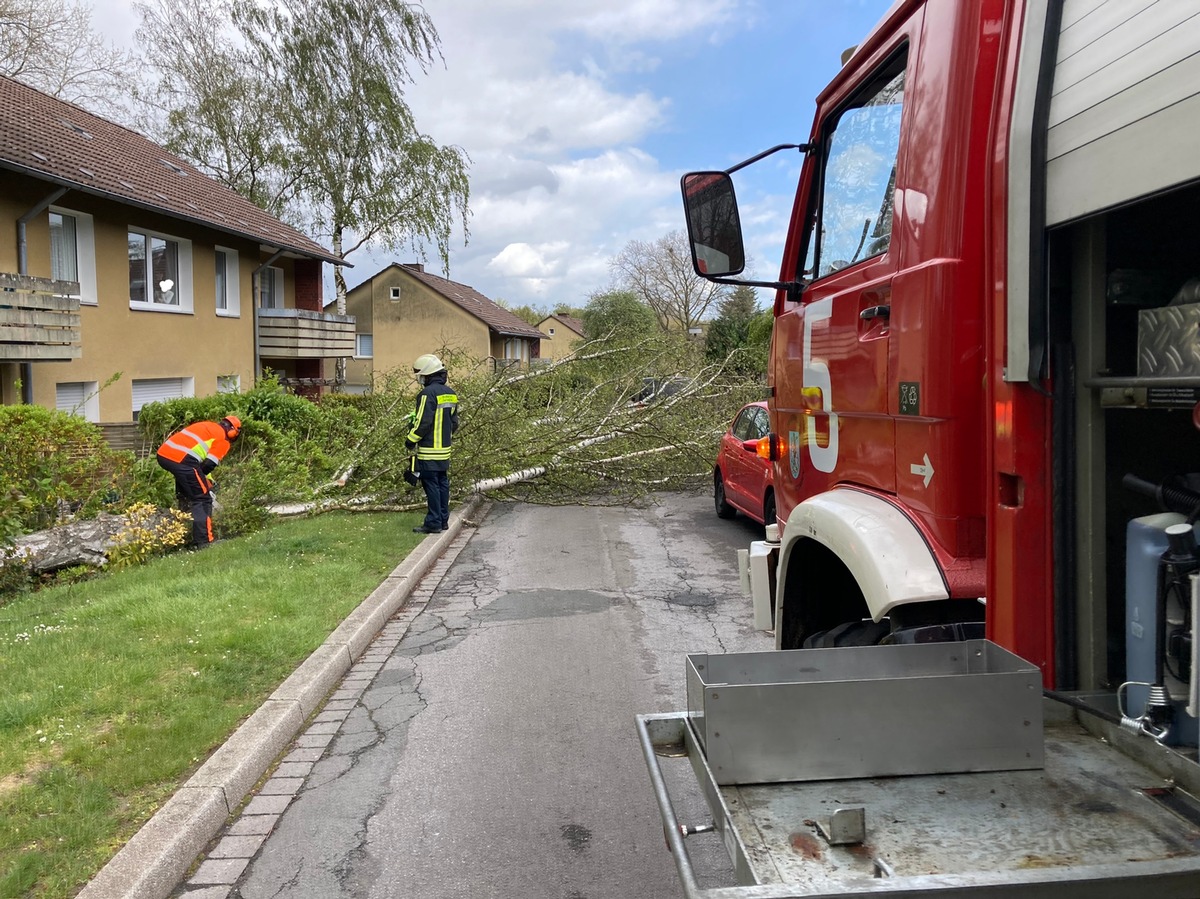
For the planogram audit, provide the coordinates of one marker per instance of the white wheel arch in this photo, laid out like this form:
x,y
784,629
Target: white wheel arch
x,y
883,550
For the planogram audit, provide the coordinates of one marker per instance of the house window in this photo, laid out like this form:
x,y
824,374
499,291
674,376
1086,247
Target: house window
x,y
228,282
551,332
64,252
270,288
73,251
364,346
157,390
159,272
80,398
395,293
229,383
516,349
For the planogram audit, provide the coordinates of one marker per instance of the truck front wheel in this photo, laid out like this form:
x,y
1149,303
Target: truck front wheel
x,y
823,605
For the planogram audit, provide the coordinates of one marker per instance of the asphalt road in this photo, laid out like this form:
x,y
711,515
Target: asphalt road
x,y
494,754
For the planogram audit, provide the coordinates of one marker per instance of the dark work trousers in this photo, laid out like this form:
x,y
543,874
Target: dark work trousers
x,y
437,496
192,486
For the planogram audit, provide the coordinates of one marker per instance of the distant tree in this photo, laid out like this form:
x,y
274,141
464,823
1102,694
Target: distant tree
x,y
758,340
564,309
617,312
729,332
525,312
661,275
50,45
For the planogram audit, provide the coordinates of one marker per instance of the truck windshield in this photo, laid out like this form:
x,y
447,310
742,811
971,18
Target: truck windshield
x,y
854,221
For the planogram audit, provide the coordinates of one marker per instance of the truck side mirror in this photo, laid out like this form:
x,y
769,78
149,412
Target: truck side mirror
x,y
714,229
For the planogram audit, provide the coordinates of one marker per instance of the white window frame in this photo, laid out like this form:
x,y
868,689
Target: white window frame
x,y
394,294
85,254
187,388
229,383
277,292
233,283
80,398
183,288
359,340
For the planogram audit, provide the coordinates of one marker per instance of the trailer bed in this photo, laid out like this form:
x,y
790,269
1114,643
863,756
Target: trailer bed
x,y
1111,814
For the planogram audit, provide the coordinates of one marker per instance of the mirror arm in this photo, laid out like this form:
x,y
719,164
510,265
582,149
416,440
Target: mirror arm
x,y
803,148
794,288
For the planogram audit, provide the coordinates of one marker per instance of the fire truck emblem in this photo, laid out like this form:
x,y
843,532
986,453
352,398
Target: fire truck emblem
x,y
794,452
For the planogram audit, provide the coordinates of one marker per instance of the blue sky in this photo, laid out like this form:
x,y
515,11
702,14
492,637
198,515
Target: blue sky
x,y
580,116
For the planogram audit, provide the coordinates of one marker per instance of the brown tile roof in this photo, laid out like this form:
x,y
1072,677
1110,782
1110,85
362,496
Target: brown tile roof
x,y
496,317
66,145
571,322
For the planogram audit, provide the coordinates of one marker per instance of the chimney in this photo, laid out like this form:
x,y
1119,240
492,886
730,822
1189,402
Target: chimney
x,y
415,266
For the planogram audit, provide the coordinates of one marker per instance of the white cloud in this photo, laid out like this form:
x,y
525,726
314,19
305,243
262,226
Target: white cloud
x,y
556,103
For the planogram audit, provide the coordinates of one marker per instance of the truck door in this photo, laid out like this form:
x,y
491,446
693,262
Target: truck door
x,y
832,391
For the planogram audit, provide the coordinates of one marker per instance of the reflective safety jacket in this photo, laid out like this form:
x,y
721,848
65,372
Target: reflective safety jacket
x,y
435,420
204,442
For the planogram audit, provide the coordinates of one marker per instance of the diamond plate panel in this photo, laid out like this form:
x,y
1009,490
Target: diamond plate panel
x,y
1169,341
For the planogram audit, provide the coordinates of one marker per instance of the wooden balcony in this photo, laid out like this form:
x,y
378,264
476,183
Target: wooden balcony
x,y
39,319
302,334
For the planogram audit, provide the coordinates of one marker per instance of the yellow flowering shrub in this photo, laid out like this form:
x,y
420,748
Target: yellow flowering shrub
x,y
148,531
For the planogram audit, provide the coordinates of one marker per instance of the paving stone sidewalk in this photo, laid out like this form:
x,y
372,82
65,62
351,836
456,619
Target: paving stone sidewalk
x,y
232,852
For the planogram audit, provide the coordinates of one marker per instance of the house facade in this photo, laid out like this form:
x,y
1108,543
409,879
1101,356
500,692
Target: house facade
x,y
130,276
404,311
562,333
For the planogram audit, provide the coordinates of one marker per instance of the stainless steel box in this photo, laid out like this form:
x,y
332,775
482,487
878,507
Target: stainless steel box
x,y
823,714
1168,341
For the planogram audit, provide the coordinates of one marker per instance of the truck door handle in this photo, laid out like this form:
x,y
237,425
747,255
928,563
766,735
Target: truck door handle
x,y
871,312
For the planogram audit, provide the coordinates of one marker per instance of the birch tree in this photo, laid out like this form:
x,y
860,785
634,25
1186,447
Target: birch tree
x,y
299,105
369,175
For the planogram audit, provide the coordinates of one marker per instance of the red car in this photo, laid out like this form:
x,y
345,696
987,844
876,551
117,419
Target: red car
x,y
742,479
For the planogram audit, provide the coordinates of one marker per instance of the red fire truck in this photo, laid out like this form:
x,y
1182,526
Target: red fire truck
x,y
984,392
984,362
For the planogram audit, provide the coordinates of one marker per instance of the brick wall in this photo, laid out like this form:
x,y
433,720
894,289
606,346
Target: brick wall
x,y
309,292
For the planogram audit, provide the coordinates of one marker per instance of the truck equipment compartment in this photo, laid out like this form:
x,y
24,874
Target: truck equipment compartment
x,y
1108,813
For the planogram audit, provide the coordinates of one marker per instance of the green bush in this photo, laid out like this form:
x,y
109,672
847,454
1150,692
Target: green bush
x,y
54,465
15,577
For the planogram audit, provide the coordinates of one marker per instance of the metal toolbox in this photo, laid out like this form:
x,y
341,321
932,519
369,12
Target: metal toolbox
x,y
823,714
1168,341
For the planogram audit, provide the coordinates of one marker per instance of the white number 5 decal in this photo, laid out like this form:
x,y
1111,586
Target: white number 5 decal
x,y
816,375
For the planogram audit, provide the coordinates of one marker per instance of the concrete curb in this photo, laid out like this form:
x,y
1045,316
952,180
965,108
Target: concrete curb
x,y
153,863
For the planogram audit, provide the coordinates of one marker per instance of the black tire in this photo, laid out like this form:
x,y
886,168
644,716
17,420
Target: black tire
x,y
852,633
769,509
724,510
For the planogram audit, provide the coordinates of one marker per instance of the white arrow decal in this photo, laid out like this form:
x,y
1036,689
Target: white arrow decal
x,y
926,470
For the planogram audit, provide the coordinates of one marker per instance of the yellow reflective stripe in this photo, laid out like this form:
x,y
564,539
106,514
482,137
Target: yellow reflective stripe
x,y
413,436
437,429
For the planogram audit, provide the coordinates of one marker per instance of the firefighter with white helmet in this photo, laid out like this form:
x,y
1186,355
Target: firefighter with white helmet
x,y
434,421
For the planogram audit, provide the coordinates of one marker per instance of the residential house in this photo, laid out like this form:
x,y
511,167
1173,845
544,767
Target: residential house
x,y
404,311
562,334
118,257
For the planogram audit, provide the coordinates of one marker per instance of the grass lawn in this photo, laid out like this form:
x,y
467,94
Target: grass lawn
x,y
113,691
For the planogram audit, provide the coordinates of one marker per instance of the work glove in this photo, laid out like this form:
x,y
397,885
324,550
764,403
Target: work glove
x,y
410,444
412,478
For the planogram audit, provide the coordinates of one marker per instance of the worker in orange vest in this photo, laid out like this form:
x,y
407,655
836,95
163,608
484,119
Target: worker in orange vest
x,y
191,454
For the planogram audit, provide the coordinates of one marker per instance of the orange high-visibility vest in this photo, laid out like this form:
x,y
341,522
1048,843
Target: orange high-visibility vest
x,y
203,441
